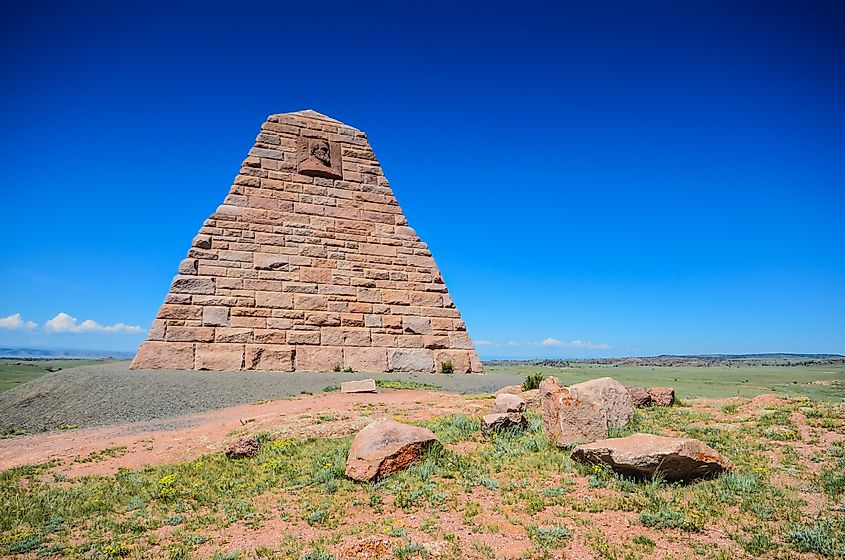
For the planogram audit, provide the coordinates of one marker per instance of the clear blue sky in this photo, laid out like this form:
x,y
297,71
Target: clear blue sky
x,y
613,178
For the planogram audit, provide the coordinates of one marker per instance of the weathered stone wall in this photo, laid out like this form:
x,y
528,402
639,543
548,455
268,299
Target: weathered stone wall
x,y
309,263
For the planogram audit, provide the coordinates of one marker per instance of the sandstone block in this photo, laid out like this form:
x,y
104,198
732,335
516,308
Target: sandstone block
x,y
365,359
362,386
459,359
215,316
230,334
269,358
157,330
318,358
416,325
164,355
340,336
274,300
189,334
188,266
410,359
220,357
192,285
270,261
269,336
303,337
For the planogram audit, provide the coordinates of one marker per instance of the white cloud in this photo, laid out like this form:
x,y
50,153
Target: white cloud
x,y
551,342
16,323
512,343
482,343
64,323
589,344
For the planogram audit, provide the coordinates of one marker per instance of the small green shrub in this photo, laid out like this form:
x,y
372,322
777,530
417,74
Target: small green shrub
x,y
447,367
820,538
666,518
730,408
533,381
549,537
644,541
336,368
314,555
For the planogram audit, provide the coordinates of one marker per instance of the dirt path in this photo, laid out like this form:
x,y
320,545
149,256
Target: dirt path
x,y
184,437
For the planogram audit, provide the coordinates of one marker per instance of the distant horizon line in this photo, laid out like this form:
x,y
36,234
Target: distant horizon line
x,y
19,352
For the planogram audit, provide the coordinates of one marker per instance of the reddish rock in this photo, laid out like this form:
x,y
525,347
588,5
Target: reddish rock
x,y
510,390
662,396
243,447
507,402
500,421
531,398
644,455
384,447
639,396
568,419
608,395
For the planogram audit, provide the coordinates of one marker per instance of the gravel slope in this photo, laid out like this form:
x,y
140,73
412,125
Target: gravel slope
x,y
111,393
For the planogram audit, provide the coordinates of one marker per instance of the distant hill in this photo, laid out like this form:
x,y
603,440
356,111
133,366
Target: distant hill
x,y
704,360
66,353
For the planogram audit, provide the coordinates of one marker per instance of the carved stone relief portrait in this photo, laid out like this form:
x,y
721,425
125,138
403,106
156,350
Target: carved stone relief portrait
x,y
319,158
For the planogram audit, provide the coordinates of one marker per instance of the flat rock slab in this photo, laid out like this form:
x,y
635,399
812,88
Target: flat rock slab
x,y
384,447
362,386
644,455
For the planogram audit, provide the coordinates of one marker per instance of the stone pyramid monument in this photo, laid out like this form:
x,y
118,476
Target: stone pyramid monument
x,y
308,265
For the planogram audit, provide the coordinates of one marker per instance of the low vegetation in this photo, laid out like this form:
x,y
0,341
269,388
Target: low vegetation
x,y
508,496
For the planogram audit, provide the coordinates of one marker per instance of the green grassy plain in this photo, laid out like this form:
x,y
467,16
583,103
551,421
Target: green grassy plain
x,y
822,383
14,371
468,499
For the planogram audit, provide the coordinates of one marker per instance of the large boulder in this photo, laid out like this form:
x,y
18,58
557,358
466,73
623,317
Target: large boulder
x,y
501,421
608,395
568,419
644,455
532,399
508,402
662,396
384,447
